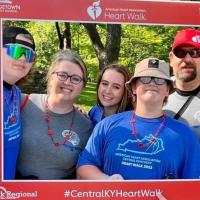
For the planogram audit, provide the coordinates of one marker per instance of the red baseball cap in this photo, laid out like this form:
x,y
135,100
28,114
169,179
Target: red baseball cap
x,y
187,37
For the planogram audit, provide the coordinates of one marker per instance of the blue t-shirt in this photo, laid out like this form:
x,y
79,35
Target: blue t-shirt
x,y
96,114
12,130
114,149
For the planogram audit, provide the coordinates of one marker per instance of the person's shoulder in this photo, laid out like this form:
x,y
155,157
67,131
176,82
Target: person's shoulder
x,y
36,96
116,118
123,114
37,99
83,118
172,121
183,130
113,121
95,109
177,125
83,122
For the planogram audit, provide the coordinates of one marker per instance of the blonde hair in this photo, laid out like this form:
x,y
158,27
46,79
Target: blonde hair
x,y
67,55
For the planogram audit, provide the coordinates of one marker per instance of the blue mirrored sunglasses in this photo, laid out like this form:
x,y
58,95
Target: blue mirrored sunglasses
x,y
16,51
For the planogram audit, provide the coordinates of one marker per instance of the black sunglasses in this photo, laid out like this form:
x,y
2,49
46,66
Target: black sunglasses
x,y
157,81
181,53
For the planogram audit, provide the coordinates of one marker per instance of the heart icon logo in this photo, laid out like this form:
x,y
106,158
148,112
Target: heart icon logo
x,y
196,39
95,10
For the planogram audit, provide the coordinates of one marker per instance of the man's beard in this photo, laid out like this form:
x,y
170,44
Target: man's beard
x,y
188,77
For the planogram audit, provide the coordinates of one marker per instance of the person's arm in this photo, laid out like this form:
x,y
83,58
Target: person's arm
x,y
90,172
93,173
91,160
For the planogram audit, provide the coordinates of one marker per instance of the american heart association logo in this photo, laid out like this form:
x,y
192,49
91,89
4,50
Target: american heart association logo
x,y
95,10
196,39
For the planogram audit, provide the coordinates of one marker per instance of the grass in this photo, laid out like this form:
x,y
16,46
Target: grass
x,y
87,98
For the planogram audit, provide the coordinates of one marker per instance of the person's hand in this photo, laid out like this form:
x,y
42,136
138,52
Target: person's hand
x,y
115,177
160,196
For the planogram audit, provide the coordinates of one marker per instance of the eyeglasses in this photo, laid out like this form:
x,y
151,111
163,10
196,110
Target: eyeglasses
x,y
157,81
63,76
16,51
181,53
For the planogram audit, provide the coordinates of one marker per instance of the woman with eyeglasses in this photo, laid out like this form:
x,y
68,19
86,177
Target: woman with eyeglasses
x,y
144,143
54,131
18,55
112,96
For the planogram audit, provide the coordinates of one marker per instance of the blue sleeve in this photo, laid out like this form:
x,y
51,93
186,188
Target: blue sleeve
x,y
191,169
93,152
91,112
95,114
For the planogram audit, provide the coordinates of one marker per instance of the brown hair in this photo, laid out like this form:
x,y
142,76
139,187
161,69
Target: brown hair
x,y
126,102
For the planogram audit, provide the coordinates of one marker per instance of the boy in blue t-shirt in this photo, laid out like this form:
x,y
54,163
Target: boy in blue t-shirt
x,y
144,143
18,57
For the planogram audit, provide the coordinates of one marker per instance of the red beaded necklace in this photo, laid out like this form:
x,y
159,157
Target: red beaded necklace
x,y
50,132
153,139
12,108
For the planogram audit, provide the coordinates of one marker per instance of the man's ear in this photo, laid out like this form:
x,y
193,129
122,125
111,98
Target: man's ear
x,y
171,55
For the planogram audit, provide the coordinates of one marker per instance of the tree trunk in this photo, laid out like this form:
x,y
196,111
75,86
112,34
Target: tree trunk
x,y
113,41
65,36
110,52
61,44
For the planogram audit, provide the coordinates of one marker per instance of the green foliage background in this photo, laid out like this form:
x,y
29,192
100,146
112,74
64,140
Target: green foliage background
x,y
137,43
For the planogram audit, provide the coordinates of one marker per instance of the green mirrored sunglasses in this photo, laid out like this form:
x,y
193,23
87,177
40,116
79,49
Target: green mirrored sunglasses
x,y
16,51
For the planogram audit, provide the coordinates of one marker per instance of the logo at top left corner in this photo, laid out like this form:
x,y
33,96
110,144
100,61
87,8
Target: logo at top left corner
x,y
6,1
8,6
94,11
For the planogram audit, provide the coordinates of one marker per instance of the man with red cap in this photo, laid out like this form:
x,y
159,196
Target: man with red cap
x,y
17,58
184,103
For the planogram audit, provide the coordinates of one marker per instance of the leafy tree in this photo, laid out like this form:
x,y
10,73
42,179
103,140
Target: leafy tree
x,y
109,52
97,44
